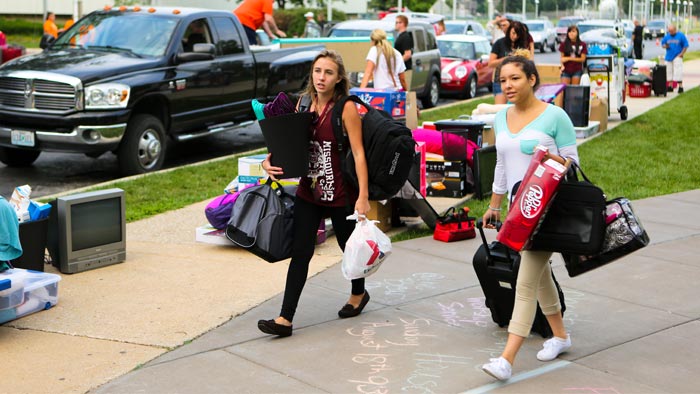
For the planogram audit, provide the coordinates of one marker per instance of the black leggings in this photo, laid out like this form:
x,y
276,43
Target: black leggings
x,y
307,217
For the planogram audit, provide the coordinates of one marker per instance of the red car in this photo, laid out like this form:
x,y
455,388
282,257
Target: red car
x,y
9,52
465,64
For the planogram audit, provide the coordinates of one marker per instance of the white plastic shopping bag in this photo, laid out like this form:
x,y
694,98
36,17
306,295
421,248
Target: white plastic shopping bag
x,y
366,249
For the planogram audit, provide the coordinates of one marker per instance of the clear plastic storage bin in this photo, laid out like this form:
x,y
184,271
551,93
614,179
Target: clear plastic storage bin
x,y
40,291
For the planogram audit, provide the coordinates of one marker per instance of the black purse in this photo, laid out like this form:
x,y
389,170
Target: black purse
x,y
623,235
575,221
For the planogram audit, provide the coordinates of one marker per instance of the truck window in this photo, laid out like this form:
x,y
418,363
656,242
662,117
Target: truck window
x,y
197,33
418,41
229,40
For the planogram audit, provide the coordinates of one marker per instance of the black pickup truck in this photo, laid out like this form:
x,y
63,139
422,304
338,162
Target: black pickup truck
x,y
133,80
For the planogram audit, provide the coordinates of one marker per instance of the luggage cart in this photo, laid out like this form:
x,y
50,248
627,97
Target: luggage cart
x,y
607,74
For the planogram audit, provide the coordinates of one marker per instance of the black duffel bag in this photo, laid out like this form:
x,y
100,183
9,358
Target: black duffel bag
x,y
262,221
575,221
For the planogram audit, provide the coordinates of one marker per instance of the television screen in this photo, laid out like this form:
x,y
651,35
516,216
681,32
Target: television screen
x,y
87,230
96,223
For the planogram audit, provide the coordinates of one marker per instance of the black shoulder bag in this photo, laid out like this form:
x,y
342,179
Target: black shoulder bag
x,y
575,222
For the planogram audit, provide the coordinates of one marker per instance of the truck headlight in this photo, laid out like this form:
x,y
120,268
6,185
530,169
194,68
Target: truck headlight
x,y
107,95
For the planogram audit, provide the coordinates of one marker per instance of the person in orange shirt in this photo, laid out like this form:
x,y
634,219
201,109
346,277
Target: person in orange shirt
x,y
68,24
50,25
254,14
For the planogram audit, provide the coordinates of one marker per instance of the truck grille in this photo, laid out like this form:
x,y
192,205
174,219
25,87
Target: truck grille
x,y
37,94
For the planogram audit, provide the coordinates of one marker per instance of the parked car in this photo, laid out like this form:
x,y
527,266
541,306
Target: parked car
x,y
426,56
466,27
465,64
132,82
607,40
563,26
514,17
655,28
543,33
592,24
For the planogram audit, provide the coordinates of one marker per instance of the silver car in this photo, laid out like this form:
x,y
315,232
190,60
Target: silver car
x,y
543,33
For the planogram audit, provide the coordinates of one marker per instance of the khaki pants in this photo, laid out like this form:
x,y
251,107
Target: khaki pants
x,y
534,284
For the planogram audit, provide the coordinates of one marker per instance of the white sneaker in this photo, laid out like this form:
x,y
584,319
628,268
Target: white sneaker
x,y
499,368
553,347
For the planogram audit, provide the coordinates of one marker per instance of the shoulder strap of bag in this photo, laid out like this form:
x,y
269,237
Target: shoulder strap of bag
x,y
304,103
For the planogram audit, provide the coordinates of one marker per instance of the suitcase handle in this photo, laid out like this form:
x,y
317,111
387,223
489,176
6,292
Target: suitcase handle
x,y
480,226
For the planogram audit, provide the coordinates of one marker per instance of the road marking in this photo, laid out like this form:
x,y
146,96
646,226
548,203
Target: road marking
x,y
519,377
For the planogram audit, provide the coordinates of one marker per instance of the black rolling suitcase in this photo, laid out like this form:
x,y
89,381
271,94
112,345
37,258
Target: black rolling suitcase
x,y
658,80
497,267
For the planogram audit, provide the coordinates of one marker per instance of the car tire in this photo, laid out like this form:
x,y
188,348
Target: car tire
x,y
623,112
470,88
553,47
543,47
430,100
143,147
12,157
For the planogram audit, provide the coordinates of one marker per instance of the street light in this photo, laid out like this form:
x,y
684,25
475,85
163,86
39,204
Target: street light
x,y
685,13
690,4
537,5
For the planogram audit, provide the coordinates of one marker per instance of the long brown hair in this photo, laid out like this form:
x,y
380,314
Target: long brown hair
x,y
342,88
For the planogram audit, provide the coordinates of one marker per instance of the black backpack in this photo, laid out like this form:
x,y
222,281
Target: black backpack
x,y
389,150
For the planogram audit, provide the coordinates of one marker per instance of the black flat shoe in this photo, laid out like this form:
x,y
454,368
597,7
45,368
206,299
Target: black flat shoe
x,y
350,311
272,328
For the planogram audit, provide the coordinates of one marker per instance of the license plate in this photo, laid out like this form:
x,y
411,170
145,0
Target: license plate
x,y
22,138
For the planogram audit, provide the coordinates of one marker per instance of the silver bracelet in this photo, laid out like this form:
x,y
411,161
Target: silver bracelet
x,y
494,209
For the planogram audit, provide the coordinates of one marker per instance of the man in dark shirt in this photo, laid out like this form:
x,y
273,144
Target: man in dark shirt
x,y
404,41
637,37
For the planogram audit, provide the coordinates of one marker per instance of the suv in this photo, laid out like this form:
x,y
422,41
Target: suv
x,y
426,56
563,26
542,32
654,29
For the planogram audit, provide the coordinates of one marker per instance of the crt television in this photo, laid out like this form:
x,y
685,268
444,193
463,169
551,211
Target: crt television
x,y
87,230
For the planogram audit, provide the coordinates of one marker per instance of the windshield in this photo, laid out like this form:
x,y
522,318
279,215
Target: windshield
x,y
454,28
462,50
350,33
656,24
567,22
535,26
584,28
139,34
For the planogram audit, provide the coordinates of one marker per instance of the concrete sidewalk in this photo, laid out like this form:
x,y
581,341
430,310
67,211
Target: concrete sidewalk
x,y
183,314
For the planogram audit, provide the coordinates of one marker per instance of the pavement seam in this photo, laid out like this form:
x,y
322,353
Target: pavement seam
x,y
519,377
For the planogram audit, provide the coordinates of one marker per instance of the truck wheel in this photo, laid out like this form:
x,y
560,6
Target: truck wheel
x,y
431,100
18,157
470,87
543,47
553,47
143,147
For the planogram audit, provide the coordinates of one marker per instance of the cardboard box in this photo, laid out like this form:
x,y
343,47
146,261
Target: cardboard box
x,y
599,112
549,73
382,213
489,137
411,110
252,165
391,101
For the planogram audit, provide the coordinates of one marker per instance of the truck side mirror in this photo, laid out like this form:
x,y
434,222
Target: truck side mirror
x,y
200,52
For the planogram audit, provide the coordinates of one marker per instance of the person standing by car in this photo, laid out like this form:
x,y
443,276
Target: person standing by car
x,y
676,44
404,41
50,27
637,39
254,14
384,64
516,38
573,55
327,84
311,29
494,27
519,128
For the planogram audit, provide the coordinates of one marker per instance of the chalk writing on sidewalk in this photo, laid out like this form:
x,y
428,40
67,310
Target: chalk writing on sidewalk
x,y
456,313
397,289
430,368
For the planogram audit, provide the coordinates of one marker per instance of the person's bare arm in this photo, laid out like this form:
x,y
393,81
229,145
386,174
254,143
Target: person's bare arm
x,y
353,125
369,72
272,26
